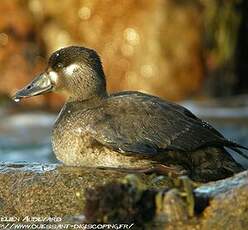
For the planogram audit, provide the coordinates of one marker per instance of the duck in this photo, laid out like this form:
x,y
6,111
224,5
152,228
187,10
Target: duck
x,y
127,130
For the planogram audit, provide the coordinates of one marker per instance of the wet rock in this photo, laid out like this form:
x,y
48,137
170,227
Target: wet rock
x,y
218,205
171,207
213,205
228,203
54,190
125,202
146,208
86,195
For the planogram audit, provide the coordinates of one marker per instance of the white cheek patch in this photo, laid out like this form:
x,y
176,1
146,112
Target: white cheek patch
x,y
53,76
70,69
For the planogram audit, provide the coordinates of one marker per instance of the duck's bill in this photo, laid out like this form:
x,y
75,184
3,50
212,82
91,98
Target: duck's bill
x,y
40,85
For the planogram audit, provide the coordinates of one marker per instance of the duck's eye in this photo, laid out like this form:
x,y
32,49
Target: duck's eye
x,y
59,66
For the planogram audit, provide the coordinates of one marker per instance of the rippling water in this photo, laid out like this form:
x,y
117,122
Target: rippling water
x,y
26,136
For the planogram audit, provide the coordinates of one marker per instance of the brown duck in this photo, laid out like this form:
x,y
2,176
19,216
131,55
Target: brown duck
x,y
127,130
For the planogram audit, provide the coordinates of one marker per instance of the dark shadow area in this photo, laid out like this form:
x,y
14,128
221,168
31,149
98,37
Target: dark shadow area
x,y
242,51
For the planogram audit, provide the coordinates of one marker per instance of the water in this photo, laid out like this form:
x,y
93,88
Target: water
x,y
26,136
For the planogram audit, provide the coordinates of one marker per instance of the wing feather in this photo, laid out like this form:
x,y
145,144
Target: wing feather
x,y
144,124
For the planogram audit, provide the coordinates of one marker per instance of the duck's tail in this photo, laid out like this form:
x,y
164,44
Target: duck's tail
x,y
236,148
213,163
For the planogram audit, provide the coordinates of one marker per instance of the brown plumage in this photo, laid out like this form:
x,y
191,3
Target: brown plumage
x,y
128,129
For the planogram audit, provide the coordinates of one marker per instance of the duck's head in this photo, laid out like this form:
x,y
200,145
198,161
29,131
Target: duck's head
x,y
74,71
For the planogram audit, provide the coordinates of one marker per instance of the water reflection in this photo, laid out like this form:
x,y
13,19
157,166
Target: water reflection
x,y
26,137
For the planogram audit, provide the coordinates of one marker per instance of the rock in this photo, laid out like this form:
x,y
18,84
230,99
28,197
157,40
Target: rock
x,y
218,205
228,203
53,190
85,195
213,205
145,208
125,202
171,207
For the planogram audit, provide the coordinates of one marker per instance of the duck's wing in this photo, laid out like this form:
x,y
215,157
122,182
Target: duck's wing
x,y
143,124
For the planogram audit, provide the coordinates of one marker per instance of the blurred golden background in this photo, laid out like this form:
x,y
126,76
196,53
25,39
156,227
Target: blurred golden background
x,y
175,49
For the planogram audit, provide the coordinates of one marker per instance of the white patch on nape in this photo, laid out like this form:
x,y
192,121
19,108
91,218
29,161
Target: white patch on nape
x,y
71,68
53,76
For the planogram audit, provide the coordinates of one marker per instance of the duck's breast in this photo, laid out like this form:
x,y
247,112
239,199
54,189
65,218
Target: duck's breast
x,y
67,137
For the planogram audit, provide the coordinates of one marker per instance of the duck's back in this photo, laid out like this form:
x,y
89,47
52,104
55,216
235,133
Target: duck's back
x,y
140,123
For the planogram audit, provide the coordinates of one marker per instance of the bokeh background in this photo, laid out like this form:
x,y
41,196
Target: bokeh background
x,y
194,52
